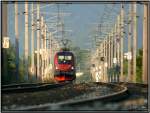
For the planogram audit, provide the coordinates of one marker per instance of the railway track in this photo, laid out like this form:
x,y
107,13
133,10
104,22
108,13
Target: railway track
x,y
122,93
82,96
27,87
113,93
20,85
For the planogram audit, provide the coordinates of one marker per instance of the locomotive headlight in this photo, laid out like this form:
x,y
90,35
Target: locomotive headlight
x,y
72,67
56,67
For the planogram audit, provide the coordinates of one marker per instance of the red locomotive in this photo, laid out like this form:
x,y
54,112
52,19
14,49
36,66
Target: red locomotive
x,y
64,66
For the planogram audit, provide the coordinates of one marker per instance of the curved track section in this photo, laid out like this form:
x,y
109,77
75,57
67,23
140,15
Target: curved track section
x,y
109,97
120,92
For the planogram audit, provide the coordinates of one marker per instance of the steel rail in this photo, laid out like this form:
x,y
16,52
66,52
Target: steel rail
x,y
20,85
31,87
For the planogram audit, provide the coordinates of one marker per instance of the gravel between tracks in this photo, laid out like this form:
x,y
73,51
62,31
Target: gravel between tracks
x,y
68,92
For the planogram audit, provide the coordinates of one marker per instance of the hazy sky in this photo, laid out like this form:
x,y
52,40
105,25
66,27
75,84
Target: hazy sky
x,y
80,21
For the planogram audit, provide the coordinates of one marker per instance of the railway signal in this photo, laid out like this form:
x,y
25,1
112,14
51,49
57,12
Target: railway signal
x,y
5,43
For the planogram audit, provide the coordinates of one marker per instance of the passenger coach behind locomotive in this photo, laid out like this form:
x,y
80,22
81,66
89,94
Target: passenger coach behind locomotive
x,y
64,64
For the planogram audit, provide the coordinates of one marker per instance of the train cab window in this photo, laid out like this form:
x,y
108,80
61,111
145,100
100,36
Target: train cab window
x,y
68,57
60,57
64,59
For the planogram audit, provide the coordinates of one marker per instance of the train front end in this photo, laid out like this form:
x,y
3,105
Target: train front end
x,y
64,65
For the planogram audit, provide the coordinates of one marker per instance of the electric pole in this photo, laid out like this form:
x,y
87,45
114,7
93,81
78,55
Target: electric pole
x,y
4,34
50,39
122,39
16,41
106,61
129,44
111,58
45,52
26,41
145,44
114,43
115,32
48,48
109,55
134,41
103,55
32,41
42,43
118,40
38,41
46,39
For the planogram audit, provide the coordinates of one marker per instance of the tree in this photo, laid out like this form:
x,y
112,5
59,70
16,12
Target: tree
x,y
139,65
11,67
10,52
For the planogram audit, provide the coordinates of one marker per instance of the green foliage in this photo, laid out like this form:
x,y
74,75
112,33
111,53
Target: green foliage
x,y
125,67
84,78
138,66
21,70
10,76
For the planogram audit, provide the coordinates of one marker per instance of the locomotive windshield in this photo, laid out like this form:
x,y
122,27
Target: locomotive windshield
x,y
64,59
